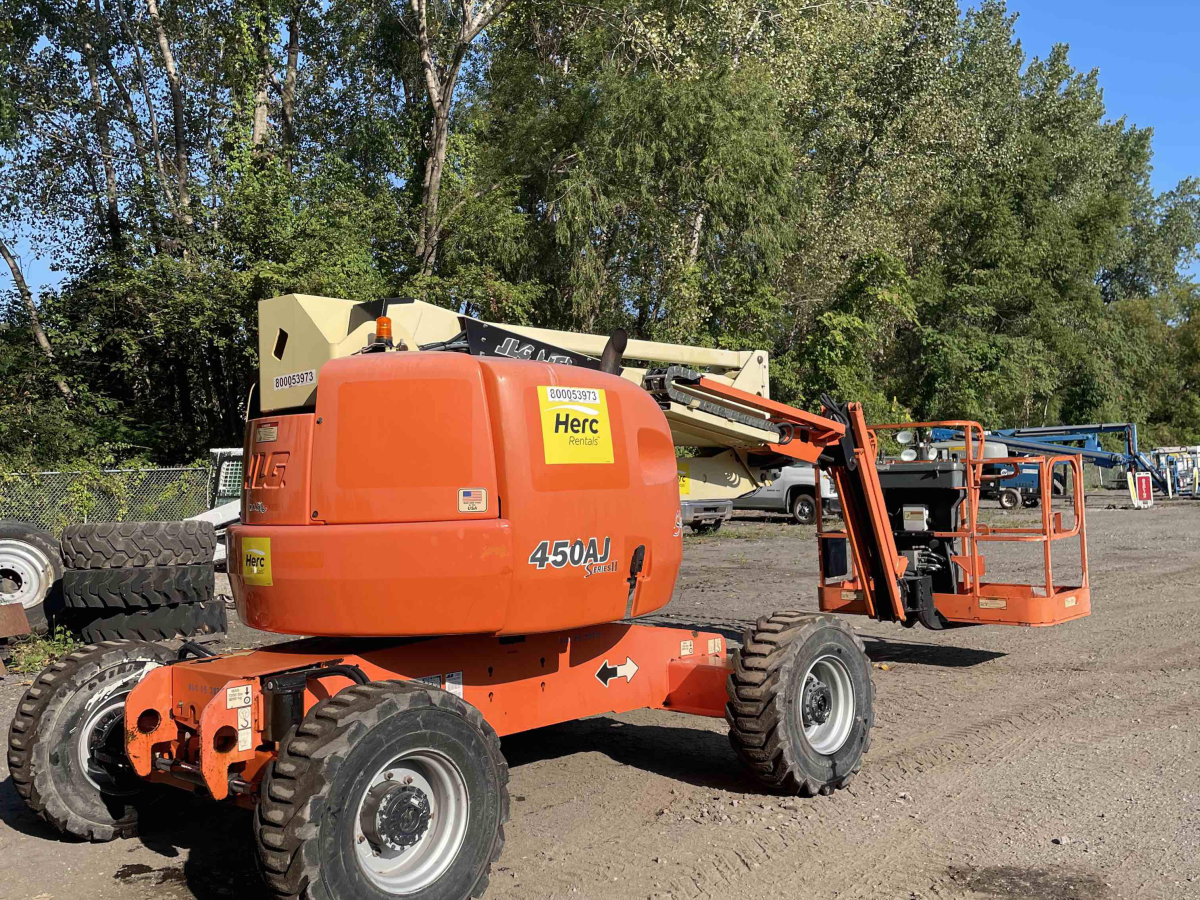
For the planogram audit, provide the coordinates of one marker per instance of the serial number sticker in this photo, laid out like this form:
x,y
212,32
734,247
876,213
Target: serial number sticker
x,y
296,379
687,648
265,434
575,425
473,500
256,561
993,603
237,697
1070,601
849,595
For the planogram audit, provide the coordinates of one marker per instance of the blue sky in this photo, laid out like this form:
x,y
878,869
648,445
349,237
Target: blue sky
x,y
1148,54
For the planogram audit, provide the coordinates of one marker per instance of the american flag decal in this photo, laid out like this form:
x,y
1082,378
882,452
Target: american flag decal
x,y
472,500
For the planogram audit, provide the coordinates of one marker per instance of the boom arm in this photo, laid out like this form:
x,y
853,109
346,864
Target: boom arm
x,y
840,442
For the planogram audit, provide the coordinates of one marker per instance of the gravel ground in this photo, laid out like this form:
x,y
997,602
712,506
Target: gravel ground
x,y
1052,764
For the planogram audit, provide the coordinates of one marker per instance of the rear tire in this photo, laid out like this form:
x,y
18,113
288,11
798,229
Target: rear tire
x,y
115,545
1010,498
162,624
136,587
801,703
804,508
323,828
74,711
31,572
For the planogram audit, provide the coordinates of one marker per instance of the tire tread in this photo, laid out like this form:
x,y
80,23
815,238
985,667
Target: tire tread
x,y
760,669
139,587
115,545
162,624
297,783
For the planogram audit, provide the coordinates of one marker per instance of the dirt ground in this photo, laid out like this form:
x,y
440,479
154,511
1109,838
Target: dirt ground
x,y
1052,764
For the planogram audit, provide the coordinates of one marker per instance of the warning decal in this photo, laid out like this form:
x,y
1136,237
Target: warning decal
x,y
575,426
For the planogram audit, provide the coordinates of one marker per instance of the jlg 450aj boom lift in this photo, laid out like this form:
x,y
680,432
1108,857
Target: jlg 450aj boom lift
x,y
470,537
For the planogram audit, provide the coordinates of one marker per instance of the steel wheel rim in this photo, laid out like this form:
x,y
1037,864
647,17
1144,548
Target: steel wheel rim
x,y
804,508
827,737
104,724
413,868
25,573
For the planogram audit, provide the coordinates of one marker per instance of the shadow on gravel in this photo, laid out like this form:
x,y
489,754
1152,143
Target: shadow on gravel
x,y
695,756
218,839
16,815
926,654
1032,883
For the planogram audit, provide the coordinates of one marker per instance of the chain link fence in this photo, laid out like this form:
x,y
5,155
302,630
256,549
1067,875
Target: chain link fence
x,y
53,500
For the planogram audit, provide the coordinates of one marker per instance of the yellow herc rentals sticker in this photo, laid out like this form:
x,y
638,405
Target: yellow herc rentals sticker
x,y
575,427
256,561
684,471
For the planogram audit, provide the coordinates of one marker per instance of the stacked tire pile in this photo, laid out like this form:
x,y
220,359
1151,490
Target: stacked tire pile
x,y
150,581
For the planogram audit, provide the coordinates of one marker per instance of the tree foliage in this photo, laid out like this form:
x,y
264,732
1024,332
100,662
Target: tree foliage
x,y
889,196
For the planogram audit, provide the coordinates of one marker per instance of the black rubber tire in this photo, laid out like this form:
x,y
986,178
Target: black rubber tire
x,y
42,615
1010,498
143,587
162,624
706,528
804,508
764,710
115,545
43,750
306,849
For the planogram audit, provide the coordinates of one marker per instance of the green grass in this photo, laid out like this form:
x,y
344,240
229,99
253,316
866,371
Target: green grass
x,y
31,654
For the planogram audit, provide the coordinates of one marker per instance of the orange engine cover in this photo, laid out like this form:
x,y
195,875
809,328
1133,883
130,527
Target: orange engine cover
x,y
440,493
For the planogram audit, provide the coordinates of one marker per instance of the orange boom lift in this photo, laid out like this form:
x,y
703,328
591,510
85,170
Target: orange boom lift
x,y
472,540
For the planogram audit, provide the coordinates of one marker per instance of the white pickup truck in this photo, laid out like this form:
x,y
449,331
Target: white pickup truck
x,y
791,489
787,489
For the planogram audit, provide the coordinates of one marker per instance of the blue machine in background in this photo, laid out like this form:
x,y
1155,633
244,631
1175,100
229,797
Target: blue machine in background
x,y
1050,440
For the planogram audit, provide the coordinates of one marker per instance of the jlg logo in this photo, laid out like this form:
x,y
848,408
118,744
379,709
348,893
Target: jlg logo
x,y
266,470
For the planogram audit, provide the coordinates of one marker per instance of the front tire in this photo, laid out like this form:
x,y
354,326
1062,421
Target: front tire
x,y
801,703
66,744
387,789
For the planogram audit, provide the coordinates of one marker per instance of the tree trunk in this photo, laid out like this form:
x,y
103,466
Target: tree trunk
x,y
430,231
260,124
695,229
177,107
139,145
100,113
288,94
439,85
155,141
35,320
